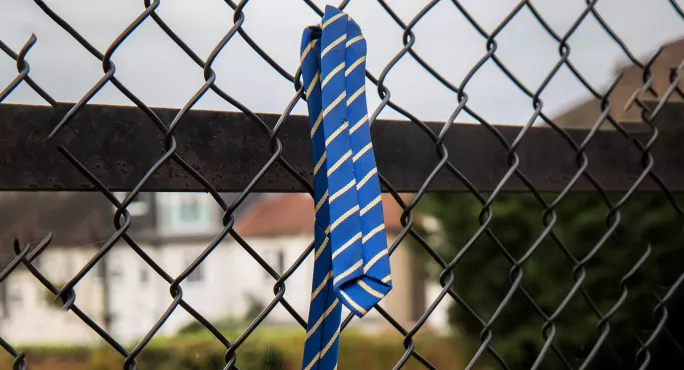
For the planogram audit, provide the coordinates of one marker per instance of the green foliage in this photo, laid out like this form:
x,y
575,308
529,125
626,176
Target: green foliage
x,y
49,298
194,327
196,357
268,349
229,324
483,275
254,309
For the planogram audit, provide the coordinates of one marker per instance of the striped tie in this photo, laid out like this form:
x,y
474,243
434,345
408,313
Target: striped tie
x,y
351,262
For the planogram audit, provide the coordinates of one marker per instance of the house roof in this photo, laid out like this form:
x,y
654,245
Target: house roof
x,y
74,218
293,214
586,113
78,219
85,218
672,54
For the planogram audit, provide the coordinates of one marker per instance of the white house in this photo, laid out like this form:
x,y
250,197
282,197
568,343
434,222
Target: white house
x,y
125,296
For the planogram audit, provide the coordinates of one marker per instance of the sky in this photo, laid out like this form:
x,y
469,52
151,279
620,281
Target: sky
x,y
162,75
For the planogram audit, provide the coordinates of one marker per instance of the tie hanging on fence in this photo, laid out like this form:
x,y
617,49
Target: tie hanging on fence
x,y
351,259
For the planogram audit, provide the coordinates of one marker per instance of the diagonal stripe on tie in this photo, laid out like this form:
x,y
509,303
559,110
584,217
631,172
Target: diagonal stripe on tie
x,y
352,266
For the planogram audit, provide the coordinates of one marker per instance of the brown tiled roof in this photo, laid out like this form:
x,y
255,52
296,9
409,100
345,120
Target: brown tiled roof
x,y
585,114
293,214
73,218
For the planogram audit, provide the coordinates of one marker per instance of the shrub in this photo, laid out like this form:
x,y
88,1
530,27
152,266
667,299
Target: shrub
x,y
50,299
228,324
482,277
223,325
277,350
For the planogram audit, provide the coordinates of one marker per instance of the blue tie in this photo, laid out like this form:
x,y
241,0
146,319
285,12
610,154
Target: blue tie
x,y
351,259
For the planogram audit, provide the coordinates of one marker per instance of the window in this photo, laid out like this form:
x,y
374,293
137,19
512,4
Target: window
x,y
197,274
113,267
15,298
4,312
189,209
101,268
137,207
187,213
144,275
281,262
275,259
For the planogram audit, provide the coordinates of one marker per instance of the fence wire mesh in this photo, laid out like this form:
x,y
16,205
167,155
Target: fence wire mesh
x,y
649,333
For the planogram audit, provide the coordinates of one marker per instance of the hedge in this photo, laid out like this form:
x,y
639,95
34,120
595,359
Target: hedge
x,y
482,277
267,350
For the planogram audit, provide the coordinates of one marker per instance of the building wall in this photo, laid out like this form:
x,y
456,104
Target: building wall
x,y
187,214
33,317
135,292
230,277
410,295
221,289
138,296
399,301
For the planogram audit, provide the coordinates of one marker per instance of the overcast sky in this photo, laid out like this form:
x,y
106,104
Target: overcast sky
x,y
156,70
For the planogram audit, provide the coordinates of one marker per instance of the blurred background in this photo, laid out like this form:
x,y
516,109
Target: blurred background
x,y
125,296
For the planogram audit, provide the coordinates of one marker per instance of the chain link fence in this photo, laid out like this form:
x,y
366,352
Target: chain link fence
x,y
583,165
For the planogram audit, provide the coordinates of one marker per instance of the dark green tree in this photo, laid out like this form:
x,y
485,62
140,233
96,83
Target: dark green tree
x,y
581,248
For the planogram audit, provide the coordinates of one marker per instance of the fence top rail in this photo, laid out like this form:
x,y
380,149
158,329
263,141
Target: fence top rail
x,y
119,144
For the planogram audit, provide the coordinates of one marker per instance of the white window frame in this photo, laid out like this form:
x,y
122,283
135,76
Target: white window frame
x,y
169,208
136,208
